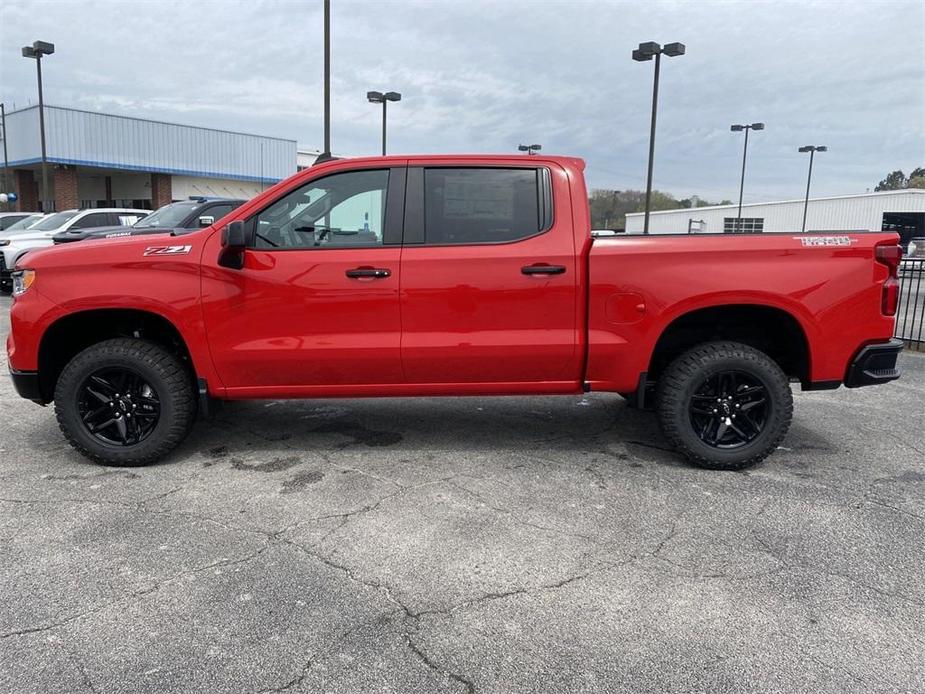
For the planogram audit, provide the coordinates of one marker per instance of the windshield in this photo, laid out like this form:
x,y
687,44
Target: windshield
x,y
25,222
56,220
167,216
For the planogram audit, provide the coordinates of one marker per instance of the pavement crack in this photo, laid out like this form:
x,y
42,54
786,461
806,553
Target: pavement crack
x,y
84,675
157,585
799,566
523,521
351,574
672,532
322,653
466,683
874,501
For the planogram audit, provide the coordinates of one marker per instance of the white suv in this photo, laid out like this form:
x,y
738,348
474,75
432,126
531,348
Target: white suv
x,y
14,246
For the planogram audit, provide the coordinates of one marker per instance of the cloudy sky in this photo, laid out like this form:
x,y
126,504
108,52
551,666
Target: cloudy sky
x,y
485,76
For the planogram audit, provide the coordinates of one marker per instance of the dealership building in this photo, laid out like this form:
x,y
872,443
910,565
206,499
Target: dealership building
x,y
902,211
103,160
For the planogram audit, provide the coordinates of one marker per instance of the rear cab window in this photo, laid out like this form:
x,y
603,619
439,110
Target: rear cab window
x,y
477,205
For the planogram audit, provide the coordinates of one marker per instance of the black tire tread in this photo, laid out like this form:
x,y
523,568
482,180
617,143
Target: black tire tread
x,y
686,367
172,370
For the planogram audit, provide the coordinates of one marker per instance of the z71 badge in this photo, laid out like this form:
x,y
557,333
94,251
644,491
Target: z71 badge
x,y
826,240
168,250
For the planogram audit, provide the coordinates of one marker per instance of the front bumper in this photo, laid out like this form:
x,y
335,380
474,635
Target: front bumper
x,y
874,364
26,384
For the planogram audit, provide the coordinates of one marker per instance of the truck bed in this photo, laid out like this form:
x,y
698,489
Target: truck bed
x,y
639,285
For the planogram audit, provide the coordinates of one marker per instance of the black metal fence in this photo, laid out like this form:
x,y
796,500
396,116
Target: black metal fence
x,y
910,317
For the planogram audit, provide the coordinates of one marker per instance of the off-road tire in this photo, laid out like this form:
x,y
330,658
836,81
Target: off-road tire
x,y
686,373
167,375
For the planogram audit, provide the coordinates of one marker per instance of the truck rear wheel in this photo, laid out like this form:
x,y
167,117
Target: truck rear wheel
x,y
724,405
125,402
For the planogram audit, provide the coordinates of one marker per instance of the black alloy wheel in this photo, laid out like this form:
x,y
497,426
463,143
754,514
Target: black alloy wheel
x,y
729,409
118,406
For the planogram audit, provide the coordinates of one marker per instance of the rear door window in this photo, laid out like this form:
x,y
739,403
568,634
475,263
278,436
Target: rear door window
x,y
484,205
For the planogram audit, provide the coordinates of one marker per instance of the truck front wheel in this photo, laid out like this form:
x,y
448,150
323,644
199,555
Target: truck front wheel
x,y
724,405
125,402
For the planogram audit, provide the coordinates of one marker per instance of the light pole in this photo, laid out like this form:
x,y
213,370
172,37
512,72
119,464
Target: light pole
x,y
736,129
36,51
647,51
327,82
812,149
6,160
384,99
529,149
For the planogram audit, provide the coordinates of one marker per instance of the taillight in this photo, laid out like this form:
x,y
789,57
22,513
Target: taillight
x,y
889,254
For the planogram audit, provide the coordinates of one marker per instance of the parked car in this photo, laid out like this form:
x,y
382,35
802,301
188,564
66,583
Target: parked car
x,y
8,219
448,275
26,222
15,246
186,215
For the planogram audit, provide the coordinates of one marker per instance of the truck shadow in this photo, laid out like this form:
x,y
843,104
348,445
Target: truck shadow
x,y
599,424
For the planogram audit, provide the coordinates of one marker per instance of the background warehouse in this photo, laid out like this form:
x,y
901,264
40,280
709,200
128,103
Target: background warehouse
x,y
102,160
902,211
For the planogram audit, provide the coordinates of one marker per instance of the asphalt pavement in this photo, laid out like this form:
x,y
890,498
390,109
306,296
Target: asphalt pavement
x,y
468,545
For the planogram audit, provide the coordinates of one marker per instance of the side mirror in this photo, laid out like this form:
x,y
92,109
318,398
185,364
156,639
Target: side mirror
x,y
233,245
206,220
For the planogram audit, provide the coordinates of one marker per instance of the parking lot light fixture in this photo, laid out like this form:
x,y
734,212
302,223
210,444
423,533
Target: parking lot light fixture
x,y
645,52
529,149
738,129
382,98
36,51
812,149
6,160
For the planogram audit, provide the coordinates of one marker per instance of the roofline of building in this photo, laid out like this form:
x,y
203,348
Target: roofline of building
x,y
146,169
734,206
149,120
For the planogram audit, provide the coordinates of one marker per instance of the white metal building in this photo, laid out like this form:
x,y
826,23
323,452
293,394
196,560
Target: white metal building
x,y
896,210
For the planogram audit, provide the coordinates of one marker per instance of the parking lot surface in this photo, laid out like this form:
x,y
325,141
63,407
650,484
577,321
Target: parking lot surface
x,y
468,545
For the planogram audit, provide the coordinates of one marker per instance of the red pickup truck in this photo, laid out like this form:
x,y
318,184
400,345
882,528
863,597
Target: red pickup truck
x,y
447,275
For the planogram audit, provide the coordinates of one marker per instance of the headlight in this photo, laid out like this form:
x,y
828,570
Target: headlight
x,y
4,242
22,280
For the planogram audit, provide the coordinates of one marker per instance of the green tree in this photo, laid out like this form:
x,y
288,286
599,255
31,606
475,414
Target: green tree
x,y
659,201
916,178
894,181
609,207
